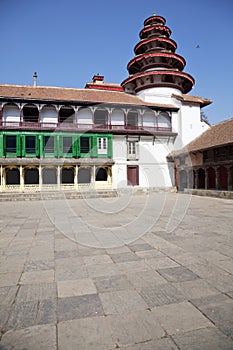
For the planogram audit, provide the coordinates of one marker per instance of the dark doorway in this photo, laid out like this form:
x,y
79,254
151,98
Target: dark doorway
x,y
12,177
201,178
50,176
67,176
84,175
101,174
31,177
133,175
223,178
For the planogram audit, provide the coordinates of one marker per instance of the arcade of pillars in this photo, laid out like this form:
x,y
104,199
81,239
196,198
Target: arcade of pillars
x,y
214,178
60,177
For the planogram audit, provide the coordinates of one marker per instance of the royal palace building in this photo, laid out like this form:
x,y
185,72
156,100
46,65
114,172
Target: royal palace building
x,y
103,136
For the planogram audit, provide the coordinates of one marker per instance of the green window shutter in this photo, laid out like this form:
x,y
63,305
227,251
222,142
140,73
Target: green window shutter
x,y
110,146
60,145
41,145
74,146
37,146
2,153
23,141
94,149
18,146
77,146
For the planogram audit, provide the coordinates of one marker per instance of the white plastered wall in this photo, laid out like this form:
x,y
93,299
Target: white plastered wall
x,y
154,170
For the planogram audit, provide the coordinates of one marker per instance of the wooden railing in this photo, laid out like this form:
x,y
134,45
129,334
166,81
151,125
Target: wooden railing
x,y
80,127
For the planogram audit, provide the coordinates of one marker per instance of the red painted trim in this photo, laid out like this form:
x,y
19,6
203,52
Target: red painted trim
x,y
180,74
157,54
104,87
160,27
147,41
154,17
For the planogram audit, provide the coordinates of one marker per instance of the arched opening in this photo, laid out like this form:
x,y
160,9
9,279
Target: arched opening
x,y
31,176
100,117
66,115
182,180
30,113
84,116
67,176
223,178
211,178
149,120
49,116
101,174
201,178
164,120
12,176
11,114
84,175
132,119
117,117
49,176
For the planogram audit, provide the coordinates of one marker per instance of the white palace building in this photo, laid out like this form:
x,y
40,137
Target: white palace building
x,y
103,136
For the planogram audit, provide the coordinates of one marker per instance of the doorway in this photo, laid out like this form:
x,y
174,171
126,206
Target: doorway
x,y
133,175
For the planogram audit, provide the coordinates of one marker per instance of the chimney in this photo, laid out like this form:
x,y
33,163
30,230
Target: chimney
x,y
35,79
97,79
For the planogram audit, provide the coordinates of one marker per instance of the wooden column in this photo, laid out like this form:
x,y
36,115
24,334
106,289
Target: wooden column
x,y
229,178
196,179
206,179
217,179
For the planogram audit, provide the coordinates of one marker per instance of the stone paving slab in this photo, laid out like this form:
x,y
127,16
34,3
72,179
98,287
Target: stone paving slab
x,y
88,305
161,291
206,339
177,274
112,283
36,292
135,327
161,295
180,317
32,338
77,287
85,334
122,301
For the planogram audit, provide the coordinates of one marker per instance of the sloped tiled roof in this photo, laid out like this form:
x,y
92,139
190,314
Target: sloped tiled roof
x,y
217,135
73,95
193,99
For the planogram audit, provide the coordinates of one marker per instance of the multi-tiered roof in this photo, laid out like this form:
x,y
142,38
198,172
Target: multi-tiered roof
x,y
155,63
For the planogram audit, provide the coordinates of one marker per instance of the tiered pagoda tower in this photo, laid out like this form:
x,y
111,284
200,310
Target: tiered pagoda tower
x,y
156,65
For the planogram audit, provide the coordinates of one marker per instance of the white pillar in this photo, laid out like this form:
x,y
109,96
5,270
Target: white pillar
x,y
76,177
59,177
21,178
40,177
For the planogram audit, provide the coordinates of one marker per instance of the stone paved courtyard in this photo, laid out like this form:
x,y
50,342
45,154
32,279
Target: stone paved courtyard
x,y
137,272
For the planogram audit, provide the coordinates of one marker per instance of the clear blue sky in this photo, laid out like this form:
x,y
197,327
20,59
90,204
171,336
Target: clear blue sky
x,y
67,42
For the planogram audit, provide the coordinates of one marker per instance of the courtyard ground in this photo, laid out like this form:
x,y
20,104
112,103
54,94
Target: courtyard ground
x,y
135,272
